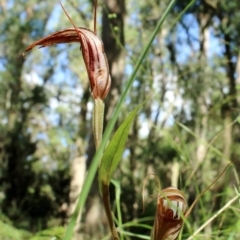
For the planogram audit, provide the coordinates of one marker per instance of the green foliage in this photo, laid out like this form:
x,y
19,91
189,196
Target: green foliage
x,y
49,234
29,190
8,232
185,134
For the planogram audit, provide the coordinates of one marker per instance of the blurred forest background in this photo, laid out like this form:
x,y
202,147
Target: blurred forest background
x,y
186,133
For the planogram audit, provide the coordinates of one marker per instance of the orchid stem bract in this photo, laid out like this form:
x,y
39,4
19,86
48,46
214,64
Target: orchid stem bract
x,y
98,114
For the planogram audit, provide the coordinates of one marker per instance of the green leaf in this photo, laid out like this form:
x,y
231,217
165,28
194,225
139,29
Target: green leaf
x,y
49,234
8,232
114,150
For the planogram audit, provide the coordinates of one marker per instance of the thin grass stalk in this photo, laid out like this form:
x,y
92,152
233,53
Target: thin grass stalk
x,y
181,13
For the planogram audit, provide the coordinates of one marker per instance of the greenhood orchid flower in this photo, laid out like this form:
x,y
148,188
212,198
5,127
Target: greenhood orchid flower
x,y
96,65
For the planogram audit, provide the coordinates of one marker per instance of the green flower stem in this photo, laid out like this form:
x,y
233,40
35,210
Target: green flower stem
x,y
97,120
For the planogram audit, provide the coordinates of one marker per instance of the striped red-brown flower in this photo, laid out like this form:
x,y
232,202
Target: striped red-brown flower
x,y
171,206
93,55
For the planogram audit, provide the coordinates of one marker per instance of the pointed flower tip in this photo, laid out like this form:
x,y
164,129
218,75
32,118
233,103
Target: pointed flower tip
x,y
93,55
64,36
